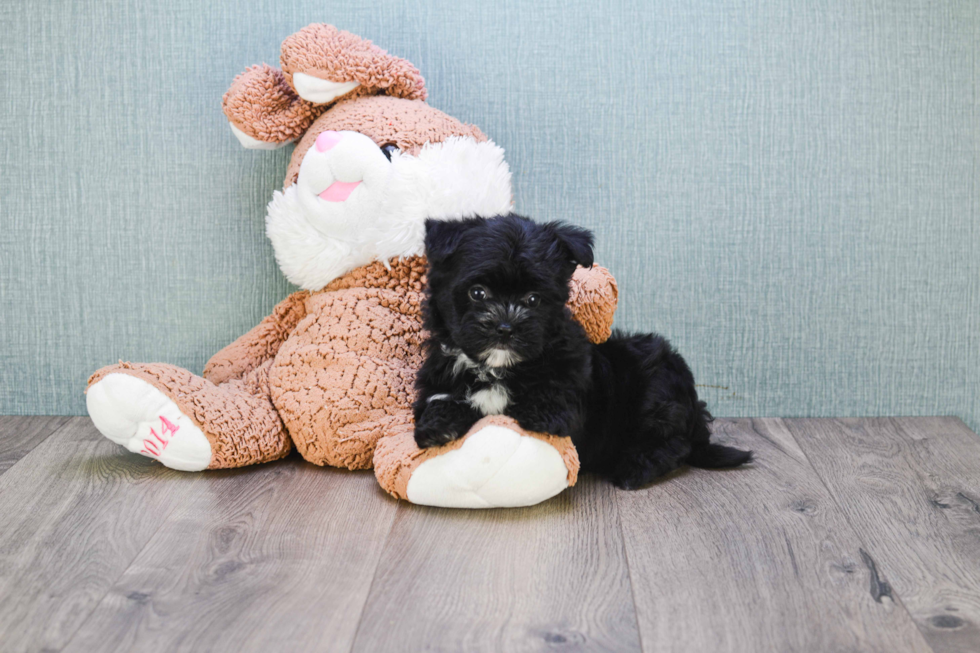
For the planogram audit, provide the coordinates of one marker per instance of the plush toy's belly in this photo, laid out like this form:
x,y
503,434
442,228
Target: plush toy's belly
x,y
345,376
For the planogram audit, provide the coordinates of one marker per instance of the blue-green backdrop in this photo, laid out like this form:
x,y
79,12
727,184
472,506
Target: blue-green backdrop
x,y
787,190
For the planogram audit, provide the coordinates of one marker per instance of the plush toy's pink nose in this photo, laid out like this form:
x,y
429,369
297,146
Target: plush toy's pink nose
x,y
327,140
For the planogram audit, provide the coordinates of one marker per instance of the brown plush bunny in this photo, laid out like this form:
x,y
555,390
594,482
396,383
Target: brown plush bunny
x,y
331,371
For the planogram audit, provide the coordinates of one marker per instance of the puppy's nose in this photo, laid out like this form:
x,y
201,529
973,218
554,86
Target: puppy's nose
x,y
504,330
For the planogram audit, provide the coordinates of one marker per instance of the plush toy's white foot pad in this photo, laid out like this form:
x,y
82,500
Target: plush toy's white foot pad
x,y
494,468
131,412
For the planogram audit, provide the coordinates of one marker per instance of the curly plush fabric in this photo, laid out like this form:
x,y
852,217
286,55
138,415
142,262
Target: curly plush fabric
x,y
329,53
345,376
593,297
260,344
407,124
261,103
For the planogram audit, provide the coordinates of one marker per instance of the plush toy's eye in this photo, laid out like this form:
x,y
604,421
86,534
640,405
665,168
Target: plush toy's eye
x,y
478,293
388,149
532,300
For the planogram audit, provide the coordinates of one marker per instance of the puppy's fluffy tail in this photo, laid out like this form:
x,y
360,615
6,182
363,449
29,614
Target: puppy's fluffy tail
x,y
716,456
712,456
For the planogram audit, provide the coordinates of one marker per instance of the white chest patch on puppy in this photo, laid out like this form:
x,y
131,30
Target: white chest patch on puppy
x,y
500,357
490,401
464,363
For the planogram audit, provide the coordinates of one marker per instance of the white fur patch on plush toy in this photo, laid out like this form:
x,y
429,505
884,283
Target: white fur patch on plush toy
x,y
383,216
131,412
494,468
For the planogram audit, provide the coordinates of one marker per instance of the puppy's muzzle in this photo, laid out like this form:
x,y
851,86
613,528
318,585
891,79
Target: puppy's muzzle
x,y
501,320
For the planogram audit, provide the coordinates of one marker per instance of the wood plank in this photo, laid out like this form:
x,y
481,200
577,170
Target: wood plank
x,y
271,558
755,559
74,512
911,489
549,576
18,435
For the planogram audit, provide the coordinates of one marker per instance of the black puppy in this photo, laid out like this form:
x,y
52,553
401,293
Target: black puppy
x,y
502,342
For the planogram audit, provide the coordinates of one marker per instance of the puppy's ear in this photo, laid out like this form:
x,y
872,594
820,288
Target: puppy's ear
x,y
575,242
442,237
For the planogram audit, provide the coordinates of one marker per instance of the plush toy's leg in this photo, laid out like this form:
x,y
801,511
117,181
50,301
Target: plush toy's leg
x,y
184,421
351,445
496,465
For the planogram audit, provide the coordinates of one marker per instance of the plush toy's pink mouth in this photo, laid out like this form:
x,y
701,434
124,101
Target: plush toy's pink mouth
x,y
339,191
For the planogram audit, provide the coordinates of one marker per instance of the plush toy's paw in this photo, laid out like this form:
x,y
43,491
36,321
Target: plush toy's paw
x,y
325,64
131,412
496,465
264,111
593,295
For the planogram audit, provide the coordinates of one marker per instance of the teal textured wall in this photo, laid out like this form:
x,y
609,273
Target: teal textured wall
x,y
787,190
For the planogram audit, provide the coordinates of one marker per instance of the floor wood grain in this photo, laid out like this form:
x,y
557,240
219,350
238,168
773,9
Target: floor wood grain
x,y
548,577
19,435
74,513
843,535
757,559
290,545
911,488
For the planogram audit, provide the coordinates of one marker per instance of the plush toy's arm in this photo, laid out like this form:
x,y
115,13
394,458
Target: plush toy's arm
x,y
592,300
258,345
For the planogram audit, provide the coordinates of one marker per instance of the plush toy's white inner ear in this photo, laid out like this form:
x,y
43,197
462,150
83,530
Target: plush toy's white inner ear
x,y
320,91
253,143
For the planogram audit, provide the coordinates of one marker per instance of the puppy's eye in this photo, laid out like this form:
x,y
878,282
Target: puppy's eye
x,y
388,149
478,293
532,300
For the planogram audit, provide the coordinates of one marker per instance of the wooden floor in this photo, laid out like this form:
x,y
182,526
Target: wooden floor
x,y
843,535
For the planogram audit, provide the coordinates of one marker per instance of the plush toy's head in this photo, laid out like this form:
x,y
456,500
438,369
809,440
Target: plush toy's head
x,y
373,160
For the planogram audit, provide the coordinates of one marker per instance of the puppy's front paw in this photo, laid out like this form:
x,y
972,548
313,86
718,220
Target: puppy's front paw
x,y
551,422
431,435
442,422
